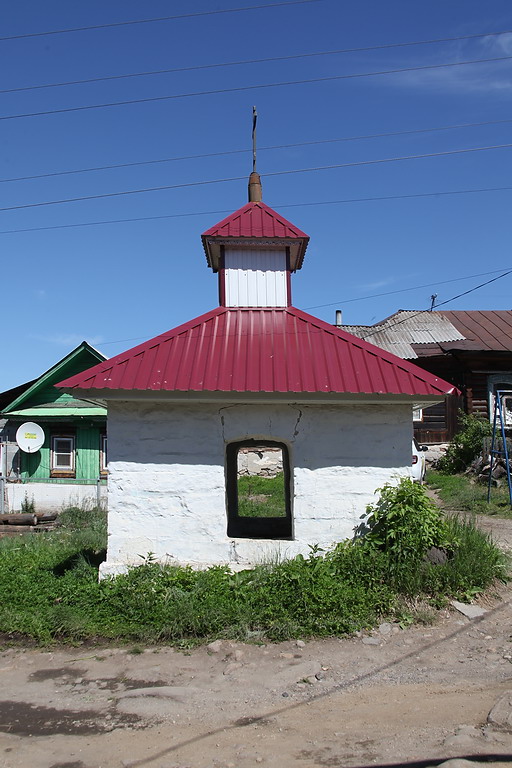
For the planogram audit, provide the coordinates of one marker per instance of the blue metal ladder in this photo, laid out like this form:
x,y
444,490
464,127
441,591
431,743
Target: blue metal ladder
x,y
496,452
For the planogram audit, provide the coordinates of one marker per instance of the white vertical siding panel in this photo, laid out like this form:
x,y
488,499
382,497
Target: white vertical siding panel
x,y
255,277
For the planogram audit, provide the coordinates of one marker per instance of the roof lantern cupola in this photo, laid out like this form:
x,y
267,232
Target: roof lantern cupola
x,y
255,250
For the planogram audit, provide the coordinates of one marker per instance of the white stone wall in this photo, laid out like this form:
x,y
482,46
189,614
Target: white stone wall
x,y
262,461
166,491
52,497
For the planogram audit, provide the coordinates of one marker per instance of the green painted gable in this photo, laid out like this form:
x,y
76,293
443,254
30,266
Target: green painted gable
x,y
59,413
42,399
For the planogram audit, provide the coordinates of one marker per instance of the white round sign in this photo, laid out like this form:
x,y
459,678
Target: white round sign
x,y
30,437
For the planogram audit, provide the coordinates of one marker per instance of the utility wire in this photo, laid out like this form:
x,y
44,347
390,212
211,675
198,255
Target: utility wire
x,y
239,178
160,18
260,149
289,205
403,290
226,210
243,62
362,338
384,327
260,86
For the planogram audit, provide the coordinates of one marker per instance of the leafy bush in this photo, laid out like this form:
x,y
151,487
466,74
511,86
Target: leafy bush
x,y
466,444
404,522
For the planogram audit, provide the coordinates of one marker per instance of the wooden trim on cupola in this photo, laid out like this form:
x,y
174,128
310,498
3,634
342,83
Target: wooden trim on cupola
x,y
288,278
222,278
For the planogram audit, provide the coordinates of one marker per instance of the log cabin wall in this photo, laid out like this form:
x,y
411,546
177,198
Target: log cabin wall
x,y
477,395
439,422
470,373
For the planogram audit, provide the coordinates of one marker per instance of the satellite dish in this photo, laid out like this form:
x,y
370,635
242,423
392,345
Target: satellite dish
x,y
30,437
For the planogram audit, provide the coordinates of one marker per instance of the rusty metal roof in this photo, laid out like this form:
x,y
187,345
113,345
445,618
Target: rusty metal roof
x,y
255,221
486,330
258,350
411,334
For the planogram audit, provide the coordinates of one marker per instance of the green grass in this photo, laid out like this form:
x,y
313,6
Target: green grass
x,y
459,492
261,496
49,589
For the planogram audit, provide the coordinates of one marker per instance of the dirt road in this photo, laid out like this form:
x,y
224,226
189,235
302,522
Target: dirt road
x,y
395,696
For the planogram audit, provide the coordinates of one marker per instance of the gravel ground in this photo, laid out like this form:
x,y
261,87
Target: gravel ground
x,y
417,696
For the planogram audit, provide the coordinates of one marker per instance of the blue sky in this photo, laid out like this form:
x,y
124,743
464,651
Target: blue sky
x,y
117,284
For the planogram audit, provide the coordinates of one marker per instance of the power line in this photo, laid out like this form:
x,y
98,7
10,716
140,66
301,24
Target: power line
x,y
402,290
381,327
260,149
441,304
289,205
243,62
160,18
152,99
239,178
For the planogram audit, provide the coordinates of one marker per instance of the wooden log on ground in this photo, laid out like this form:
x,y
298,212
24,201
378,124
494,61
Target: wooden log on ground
x,y
22,518
46,517
13,530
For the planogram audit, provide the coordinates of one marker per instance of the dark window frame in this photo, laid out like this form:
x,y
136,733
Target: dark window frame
x,y
256,527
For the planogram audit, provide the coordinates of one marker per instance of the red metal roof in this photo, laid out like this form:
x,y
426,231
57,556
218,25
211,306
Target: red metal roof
x,y
255,221
259,350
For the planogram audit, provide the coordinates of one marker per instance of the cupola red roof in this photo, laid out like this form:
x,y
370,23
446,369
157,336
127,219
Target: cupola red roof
x,y
259,351
255,221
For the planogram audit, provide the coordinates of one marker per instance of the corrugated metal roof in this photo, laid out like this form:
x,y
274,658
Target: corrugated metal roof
x,y
255,221
258,350
399,332
489,330
411,333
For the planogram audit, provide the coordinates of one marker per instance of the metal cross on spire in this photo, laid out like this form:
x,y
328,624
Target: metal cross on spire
x,y
254,121
255,191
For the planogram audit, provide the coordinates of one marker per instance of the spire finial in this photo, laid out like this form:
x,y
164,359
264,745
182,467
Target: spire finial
x,y
255,191
254,121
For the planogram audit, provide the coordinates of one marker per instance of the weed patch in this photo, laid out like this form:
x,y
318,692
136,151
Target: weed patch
x,y
49,588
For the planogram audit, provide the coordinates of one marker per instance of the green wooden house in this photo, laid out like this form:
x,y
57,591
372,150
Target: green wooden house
x,y
71,465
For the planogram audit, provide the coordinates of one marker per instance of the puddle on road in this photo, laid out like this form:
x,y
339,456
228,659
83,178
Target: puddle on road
x,y
23,719
40,675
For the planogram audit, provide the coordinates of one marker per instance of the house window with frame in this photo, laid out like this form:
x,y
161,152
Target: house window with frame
x,y
417,414
103,455
501,383
63,456
258,490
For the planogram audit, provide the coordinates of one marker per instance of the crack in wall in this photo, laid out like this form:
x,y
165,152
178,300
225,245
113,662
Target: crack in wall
x,y
222,422
299,417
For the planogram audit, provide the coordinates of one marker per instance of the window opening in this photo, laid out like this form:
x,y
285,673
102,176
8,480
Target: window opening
x,y
258,490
